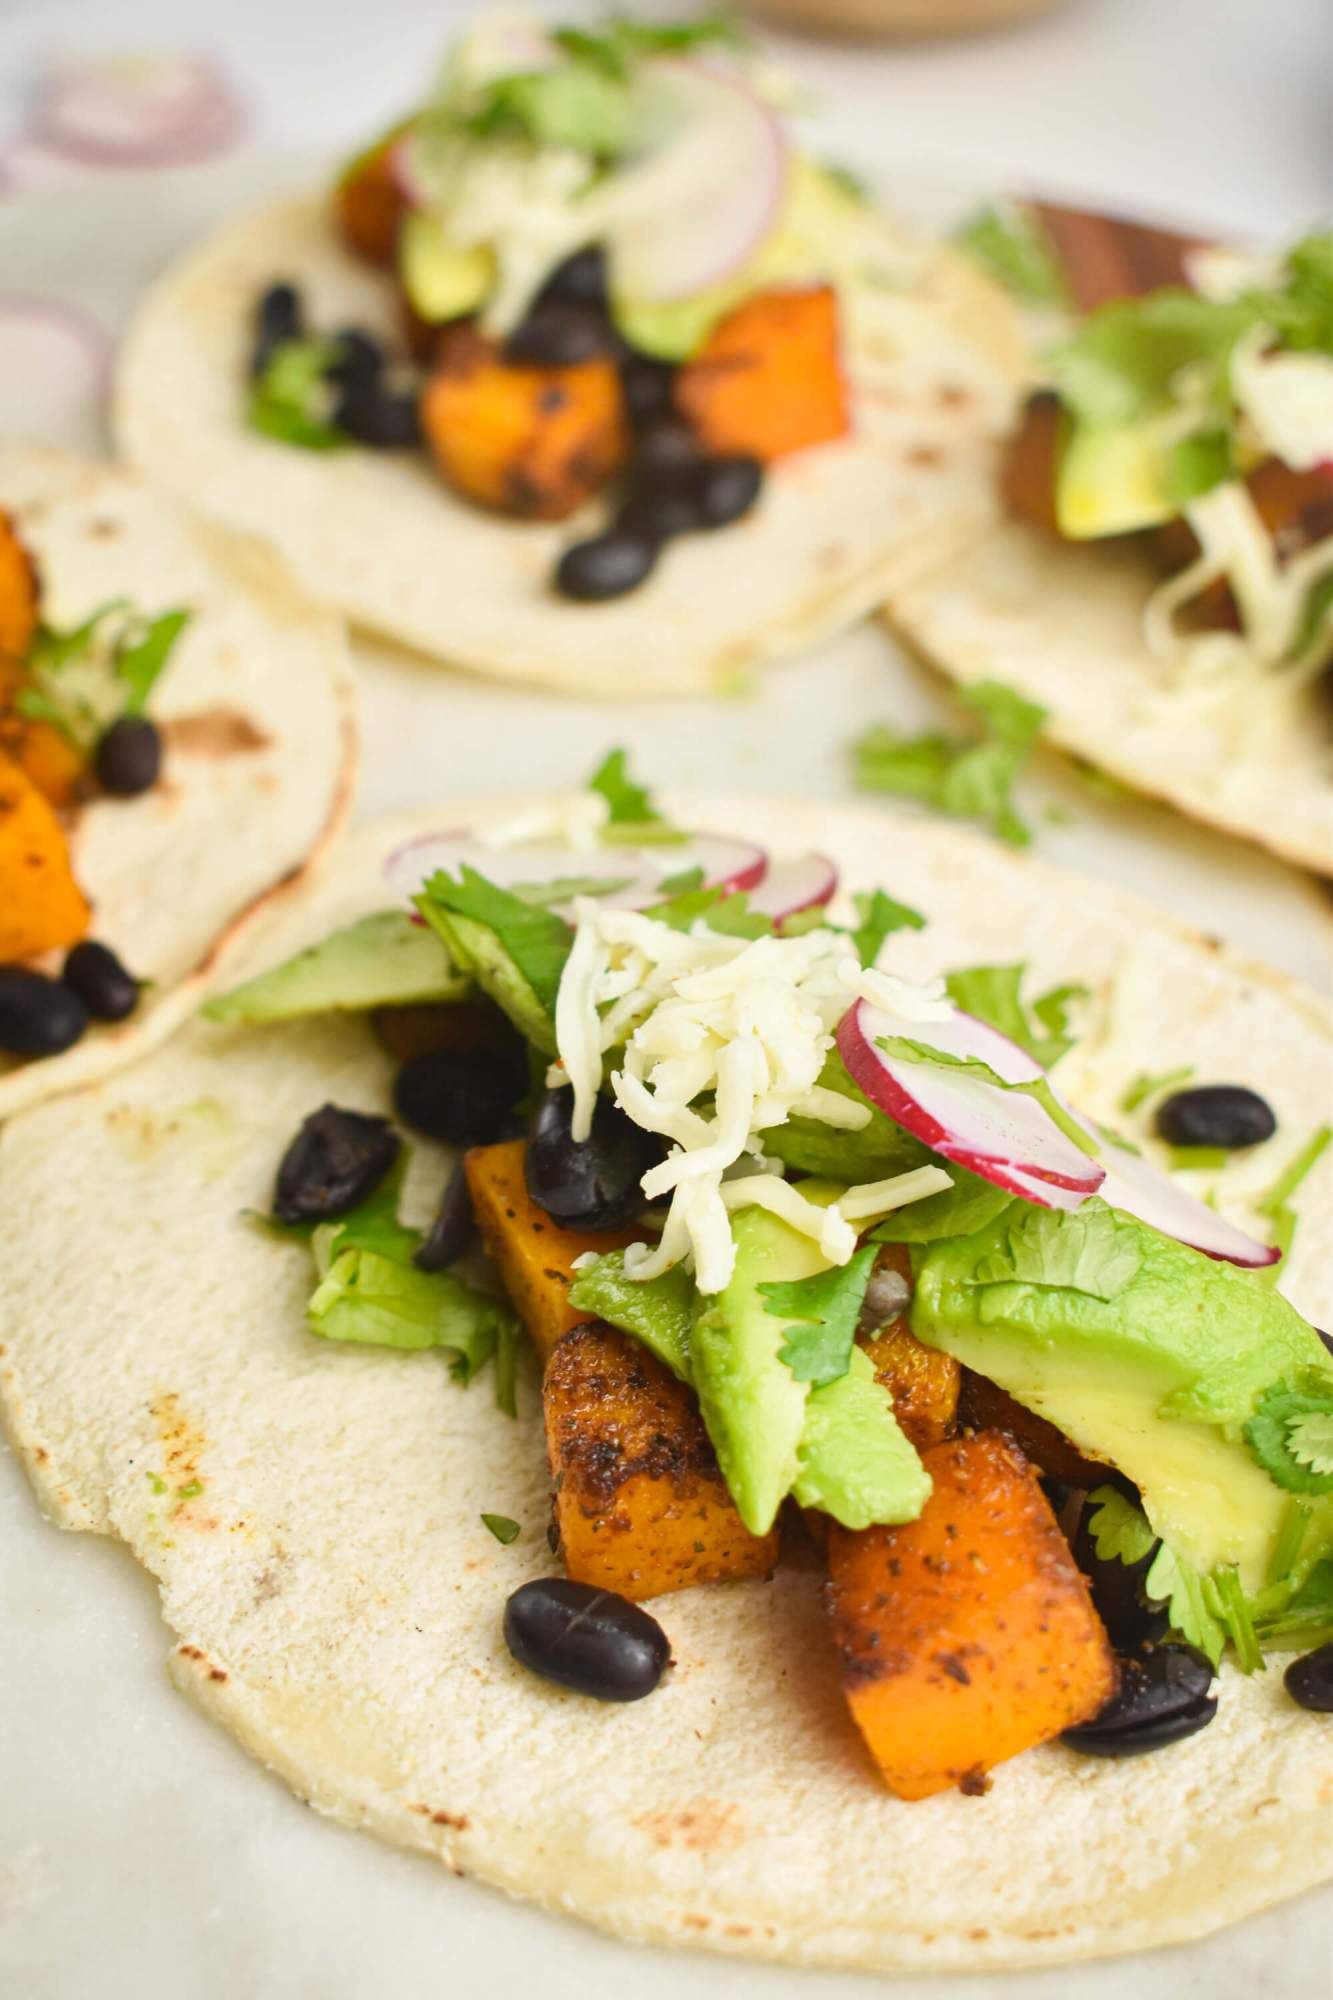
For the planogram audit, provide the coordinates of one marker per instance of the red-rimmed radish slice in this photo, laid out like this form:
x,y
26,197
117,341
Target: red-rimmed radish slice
x,y
162,108
705,192
1137,1186
55,363
807,883
1003,1135
640,871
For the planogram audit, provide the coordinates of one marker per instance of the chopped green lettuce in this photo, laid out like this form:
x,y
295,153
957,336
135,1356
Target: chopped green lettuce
x,y
81,681
994,994
970,1204
1276,1204
821,1314
292,400
877,1150
1149,1084
1008,241
970,779
881,915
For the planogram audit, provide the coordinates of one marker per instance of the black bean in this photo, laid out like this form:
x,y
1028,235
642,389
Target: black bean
x,y
129,757
726,488
458,1095
558,336
1162,1697
387,419
38,1016
277,319
451,1231
579,281
1309,1680
1117,1593
591,1183
586,1639
608,565
360,358
107,990
665,447
336,1159
657,510
647,386
1216,1114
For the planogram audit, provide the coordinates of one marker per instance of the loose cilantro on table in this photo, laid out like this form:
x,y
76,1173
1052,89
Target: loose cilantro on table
x,y
503,1529
1010,243
83,680
968,779
994,994
1149,1084
821,1314
881,915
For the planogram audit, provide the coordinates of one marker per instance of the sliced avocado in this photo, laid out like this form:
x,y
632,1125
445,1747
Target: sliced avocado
x,y
1112,479
1142,1351
384,960
752,1404
659,1312
853,1461
478,952
443,280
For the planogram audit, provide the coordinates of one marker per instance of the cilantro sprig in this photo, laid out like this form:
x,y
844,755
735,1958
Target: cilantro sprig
x,y
1291,1433
82,680
821,1313
293,399
967,778
1009,243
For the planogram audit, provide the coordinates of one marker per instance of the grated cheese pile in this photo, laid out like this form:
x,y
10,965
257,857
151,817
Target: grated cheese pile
x,y
722,1038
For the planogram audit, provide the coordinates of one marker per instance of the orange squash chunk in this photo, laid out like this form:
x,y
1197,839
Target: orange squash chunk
x,y
534,442
41,905
20,593
48,758
368,203
535,1258
983,1406
768,380
922,1382
640,1503
968,1635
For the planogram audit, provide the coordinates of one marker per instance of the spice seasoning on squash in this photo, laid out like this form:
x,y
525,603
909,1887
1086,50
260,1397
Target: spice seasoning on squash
x,y
534,1256
369,205
41,905
984,1406
640,1503
969,1634
535,442
768,380
20,595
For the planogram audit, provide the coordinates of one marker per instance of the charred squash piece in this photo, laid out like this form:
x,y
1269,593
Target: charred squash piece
x,y
369,205
1028,465
922,1382
41,905
20,594
968,1635
984,1406
768,380
534,442
56,768
640,1503
534,1257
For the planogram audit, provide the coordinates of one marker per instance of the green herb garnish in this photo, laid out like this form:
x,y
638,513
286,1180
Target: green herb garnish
x,y
1010,243
503,1529
881,915
83,680
1120,1530
1291,1433
969,779
994,994
1152,1084
293,398
821,1314
535,940
1276,1204
905,1049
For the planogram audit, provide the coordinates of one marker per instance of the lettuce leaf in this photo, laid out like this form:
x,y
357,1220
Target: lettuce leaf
x,y
881,915
994,994
292,400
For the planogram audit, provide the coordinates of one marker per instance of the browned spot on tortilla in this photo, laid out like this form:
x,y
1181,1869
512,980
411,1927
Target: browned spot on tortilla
x,y
191,1653
706,1826
698,1923
182,1442
216,1674
925,455
459,1821
103,530
214,732
953,396
738,1930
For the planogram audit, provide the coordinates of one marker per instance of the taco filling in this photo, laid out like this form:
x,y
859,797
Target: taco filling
x,y
1199,424
618,278
816,1257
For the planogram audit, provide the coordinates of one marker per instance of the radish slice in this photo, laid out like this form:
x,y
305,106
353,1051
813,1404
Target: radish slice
x,y
55,363
640,871
1005,1137
792,886
137,111
707,190
1138,1187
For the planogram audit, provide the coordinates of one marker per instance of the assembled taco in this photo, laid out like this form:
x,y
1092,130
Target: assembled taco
x,y
865,1275
585,374
176,743
1159,574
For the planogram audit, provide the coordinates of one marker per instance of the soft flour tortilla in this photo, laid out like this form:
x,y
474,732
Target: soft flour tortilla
x,y
257,709
311,1512
934,354
1064,625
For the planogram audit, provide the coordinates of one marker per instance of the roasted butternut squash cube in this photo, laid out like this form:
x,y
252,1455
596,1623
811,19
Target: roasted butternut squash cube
x,y
368,203
55,766
969,1634
768,380
42,907
535,1258
922,1382
983,1406
20,593
534,442
640,1503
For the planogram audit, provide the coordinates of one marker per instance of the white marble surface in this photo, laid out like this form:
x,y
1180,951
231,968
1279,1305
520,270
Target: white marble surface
x,y
138,1847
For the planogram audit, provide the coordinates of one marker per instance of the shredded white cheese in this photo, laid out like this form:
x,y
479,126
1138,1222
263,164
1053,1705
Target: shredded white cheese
x,y
1286,398
719,1039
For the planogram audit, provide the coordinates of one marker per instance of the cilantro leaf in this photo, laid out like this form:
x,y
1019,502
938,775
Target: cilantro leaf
x,y
1120,1531
503,1529
729,914
969,779
994,994
821,1312
1276,1204
627,800
881,915
1078,1250
80,681
140,658
1009,242
534,940
1303,1618
969,1205
1149,1084
292,400
1291,1433
906,1049
1204,1610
